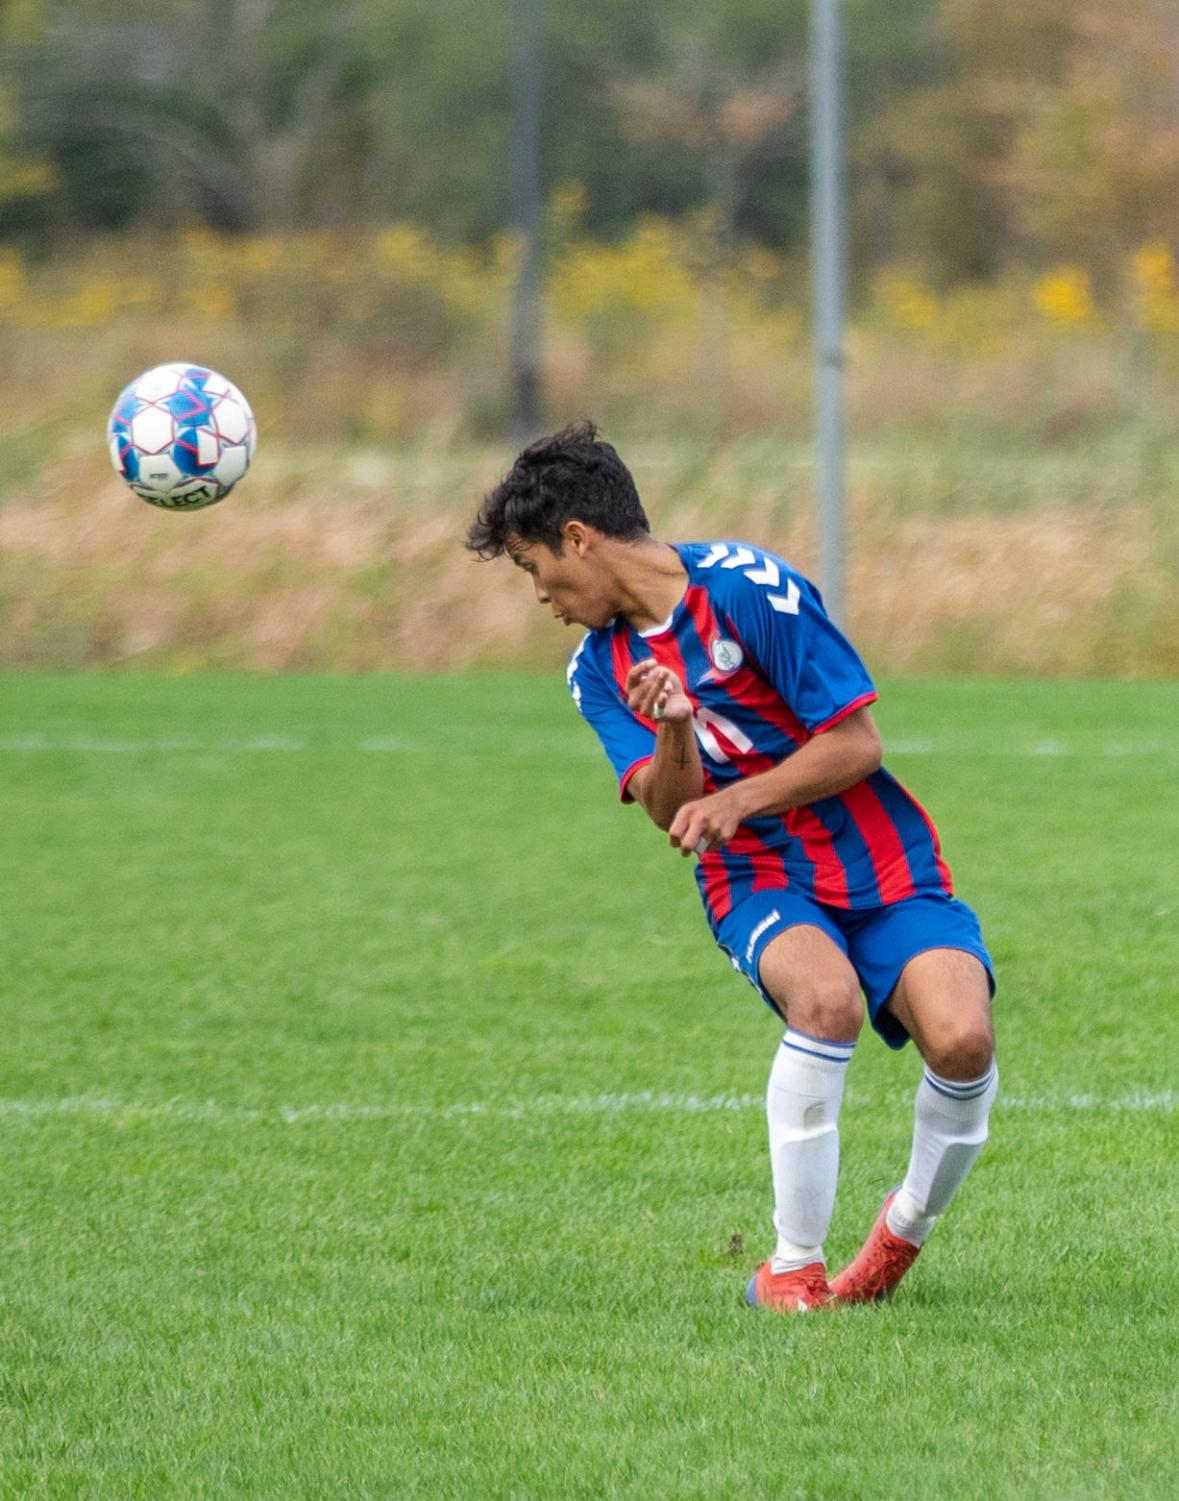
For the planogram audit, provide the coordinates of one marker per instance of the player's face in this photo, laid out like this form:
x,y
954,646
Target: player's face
x,y
569,582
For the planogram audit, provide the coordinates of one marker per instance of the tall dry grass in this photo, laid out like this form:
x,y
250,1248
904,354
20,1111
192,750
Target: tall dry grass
x,y
960,561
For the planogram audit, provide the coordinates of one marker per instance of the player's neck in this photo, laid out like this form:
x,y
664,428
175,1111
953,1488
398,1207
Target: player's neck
x,y
649,582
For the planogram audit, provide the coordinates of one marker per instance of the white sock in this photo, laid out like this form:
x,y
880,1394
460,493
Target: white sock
x,y
950,1126
802,1108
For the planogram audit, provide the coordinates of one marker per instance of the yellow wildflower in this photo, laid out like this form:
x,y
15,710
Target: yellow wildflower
x,y
13,280
1064,298
1155,281
905,303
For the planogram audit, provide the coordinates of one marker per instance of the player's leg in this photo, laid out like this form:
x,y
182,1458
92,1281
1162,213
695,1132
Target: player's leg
x,y
807,976
942,999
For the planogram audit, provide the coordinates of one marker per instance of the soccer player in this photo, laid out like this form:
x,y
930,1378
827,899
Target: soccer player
x,y
737,715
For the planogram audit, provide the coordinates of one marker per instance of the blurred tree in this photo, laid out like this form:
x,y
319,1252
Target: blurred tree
x,y
675,90
438,115
981,132
1094,170
288,103
732,122
892,53
1053,136
239,112
25,181
729,122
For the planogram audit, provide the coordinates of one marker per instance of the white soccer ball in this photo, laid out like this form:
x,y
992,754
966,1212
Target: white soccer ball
x,y
181,436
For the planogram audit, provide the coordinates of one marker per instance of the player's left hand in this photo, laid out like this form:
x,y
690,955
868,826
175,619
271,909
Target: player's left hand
x,y
704,824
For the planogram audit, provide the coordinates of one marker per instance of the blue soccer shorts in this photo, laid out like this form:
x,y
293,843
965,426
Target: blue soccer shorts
x,y
879,941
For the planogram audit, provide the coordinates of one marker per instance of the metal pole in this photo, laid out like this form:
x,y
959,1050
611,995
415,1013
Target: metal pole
x,y
828,279
526,218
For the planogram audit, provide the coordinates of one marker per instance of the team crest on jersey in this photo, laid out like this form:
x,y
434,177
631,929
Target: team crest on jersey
x,y
726,655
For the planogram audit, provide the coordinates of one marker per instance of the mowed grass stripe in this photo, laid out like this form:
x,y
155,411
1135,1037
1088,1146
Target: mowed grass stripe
x,y
222,1274
1163,1102
567,742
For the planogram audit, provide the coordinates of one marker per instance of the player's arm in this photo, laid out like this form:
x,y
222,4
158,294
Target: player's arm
x,y
828,764
674,774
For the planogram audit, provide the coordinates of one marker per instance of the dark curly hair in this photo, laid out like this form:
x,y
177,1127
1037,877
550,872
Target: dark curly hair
x,y
573,475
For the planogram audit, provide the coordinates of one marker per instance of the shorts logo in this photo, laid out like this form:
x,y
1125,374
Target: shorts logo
x,y
767,921
726,655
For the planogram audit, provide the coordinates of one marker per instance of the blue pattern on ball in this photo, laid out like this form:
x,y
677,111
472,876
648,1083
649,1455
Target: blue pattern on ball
x,y
185,453
190,406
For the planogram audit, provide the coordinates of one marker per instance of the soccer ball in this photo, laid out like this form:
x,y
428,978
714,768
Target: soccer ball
x,y
181,436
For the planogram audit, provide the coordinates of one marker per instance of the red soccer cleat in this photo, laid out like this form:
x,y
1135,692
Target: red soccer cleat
x,y
883,1260
797,1291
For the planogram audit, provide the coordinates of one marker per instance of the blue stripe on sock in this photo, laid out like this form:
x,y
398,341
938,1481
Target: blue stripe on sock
x,y
822,1041
811,1053
970,1091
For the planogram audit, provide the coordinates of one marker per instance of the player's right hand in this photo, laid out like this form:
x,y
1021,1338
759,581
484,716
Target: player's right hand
x,y
656,693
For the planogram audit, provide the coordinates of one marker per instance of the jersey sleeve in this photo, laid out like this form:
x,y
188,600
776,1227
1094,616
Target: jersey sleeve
x,y
628,743
779,615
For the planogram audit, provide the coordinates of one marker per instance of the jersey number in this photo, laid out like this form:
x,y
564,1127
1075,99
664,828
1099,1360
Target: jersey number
x,y
708,724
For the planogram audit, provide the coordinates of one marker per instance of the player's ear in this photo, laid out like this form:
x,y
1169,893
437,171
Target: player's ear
x,y
576,534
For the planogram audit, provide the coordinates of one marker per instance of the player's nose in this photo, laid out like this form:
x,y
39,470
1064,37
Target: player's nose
x,y
542,594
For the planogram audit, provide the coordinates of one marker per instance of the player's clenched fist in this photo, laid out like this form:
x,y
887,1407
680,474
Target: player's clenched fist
x,y
704,824
656,693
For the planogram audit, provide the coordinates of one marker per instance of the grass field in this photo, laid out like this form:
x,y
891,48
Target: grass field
x,y
378,1120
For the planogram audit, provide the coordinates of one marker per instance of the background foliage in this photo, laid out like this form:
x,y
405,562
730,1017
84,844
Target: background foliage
x,y
984,133
314,199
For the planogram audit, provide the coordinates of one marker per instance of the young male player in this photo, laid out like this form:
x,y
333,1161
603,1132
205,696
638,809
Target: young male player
x,y
737,714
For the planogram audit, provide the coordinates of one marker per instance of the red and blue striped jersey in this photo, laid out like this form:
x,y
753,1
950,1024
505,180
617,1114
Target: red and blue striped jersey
x,y
766,669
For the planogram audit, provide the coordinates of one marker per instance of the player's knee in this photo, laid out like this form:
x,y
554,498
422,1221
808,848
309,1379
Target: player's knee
x,y
964,1051
830,1009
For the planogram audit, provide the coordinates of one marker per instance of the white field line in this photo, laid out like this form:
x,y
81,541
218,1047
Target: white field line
x,y
212,1112
962,745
